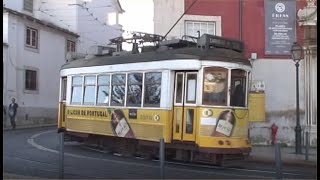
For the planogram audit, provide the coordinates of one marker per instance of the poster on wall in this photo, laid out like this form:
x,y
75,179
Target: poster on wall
x,y
280,26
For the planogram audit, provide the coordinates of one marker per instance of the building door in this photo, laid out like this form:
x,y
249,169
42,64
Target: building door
x,y
184,118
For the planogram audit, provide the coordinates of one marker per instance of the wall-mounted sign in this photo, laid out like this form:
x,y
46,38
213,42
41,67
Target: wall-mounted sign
x,y
257,86
280,26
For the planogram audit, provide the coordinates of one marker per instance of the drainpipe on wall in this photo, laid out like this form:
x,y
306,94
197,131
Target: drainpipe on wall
x,y
6,97
240,19
5,85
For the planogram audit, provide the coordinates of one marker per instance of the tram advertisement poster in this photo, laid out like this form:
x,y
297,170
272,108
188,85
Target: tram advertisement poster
x,y
225,124
119,124
280,24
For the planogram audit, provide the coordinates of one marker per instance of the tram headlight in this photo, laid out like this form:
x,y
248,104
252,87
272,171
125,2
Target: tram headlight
x,y
228,142
156,118
207,113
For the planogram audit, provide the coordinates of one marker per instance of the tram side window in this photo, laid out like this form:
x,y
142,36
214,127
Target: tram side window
x,y
134,92
76,96
152,93
103,90
89,90
215,86
118,89
238,87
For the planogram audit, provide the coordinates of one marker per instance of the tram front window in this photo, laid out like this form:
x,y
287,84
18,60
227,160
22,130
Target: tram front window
x,y
238,87
215,86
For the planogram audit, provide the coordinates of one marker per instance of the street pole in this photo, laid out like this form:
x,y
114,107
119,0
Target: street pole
x,y
278,161
162,155
61,157
298,127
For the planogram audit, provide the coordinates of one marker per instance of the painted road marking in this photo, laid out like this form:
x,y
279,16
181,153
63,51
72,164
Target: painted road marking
x,y
33,143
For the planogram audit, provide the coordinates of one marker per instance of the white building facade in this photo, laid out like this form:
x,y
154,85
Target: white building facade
x,y
166,13
33,54
37,34
96,21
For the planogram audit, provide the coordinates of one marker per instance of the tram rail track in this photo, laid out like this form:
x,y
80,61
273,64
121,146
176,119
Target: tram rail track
x,y
171,166
204,166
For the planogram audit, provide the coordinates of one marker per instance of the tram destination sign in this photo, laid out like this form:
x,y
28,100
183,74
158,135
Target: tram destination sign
x,y
216,41
280,24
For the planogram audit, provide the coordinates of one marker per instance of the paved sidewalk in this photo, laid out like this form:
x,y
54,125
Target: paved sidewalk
x,y
29,126
16,176
288,157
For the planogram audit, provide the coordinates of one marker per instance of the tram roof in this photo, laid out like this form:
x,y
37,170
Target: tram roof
x,y
213,54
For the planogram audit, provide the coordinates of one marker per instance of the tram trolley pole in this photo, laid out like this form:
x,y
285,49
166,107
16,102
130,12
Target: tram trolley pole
x,y
162,157
278,161
61,153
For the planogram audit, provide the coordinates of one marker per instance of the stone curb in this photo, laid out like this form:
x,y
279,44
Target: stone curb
x,y
17,176
30,126
309,163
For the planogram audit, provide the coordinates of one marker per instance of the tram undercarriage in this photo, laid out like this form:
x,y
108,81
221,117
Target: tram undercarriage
x,y
187,152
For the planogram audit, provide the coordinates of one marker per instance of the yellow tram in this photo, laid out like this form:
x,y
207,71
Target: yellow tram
x,y
193,95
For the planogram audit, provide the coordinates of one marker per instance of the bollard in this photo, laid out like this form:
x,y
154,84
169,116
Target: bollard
x,y
278,161
307,145
161,155
61,157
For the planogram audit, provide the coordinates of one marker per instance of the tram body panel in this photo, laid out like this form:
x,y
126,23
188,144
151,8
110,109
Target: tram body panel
x,y
208,122
146,124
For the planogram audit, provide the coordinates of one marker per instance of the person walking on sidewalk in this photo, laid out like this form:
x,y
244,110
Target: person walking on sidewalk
x,y
13,112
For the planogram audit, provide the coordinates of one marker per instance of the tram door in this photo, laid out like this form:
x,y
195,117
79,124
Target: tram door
x,y
184,118
62,103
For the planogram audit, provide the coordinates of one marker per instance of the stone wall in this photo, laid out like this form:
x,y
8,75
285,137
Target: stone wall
x,y
29,116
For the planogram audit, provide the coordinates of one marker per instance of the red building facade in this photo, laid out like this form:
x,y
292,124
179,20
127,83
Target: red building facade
x,y
242,19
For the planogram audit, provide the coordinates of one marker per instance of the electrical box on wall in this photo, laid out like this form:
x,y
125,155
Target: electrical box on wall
x,y
257,86
254,56
257,109
256,104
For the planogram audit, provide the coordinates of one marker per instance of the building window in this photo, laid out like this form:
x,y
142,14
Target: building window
x,y
28,5
134,92
192,28
152,93
76,96
32,38
112,18
31,80
71,46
